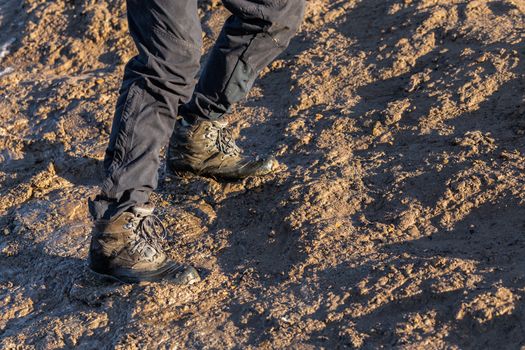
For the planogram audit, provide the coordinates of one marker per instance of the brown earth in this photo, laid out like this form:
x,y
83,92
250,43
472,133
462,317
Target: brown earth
x,y
397,218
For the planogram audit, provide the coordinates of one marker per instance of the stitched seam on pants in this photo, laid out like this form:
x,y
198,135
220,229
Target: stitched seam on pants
x,y
125,135
170,36
130,108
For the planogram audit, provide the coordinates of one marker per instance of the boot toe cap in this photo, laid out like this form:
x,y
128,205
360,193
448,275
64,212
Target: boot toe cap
x,y
267,165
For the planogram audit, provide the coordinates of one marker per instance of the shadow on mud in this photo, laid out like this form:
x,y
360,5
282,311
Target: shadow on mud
x,y
58,288
490,236
263,248
261,253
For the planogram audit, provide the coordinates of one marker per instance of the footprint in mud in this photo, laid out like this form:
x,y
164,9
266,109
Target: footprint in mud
x,y
94,291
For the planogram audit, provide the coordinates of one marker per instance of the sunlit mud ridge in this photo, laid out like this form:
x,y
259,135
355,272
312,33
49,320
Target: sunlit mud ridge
x,y
397,218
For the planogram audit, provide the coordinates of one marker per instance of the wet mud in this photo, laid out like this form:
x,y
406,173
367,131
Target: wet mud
x,y
396,219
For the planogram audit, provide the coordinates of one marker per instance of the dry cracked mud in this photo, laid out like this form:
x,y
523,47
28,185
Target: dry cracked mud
x,y
397,218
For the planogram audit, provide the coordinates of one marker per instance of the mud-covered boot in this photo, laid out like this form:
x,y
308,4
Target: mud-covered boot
x,y
128,248
207,148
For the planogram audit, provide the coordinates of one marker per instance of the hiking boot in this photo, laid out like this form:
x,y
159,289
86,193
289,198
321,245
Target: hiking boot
x,y
207,148
128,248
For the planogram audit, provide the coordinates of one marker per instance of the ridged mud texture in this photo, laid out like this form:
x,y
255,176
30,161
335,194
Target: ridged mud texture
x,y
397,218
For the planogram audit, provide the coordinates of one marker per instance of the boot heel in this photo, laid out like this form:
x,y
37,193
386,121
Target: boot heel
x,y
178,173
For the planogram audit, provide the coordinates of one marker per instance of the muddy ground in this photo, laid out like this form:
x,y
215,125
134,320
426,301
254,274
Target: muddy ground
x,y
397,218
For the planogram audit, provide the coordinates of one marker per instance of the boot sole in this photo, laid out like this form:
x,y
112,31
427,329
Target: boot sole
x,y
189,173
187,277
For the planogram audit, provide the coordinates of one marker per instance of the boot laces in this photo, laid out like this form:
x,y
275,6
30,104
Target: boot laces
x,y
150,233
226,143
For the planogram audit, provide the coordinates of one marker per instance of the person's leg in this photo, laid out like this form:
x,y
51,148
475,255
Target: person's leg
x,y
256,33
126,240
168,37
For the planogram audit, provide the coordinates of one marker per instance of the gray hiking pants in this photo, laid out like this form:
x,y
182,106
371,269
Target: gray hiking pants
x,y
159,83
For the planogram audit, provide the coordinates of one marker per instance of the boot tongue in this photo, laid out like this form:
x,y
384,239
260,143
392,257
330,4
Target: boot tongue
x,y
143,211
220,124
